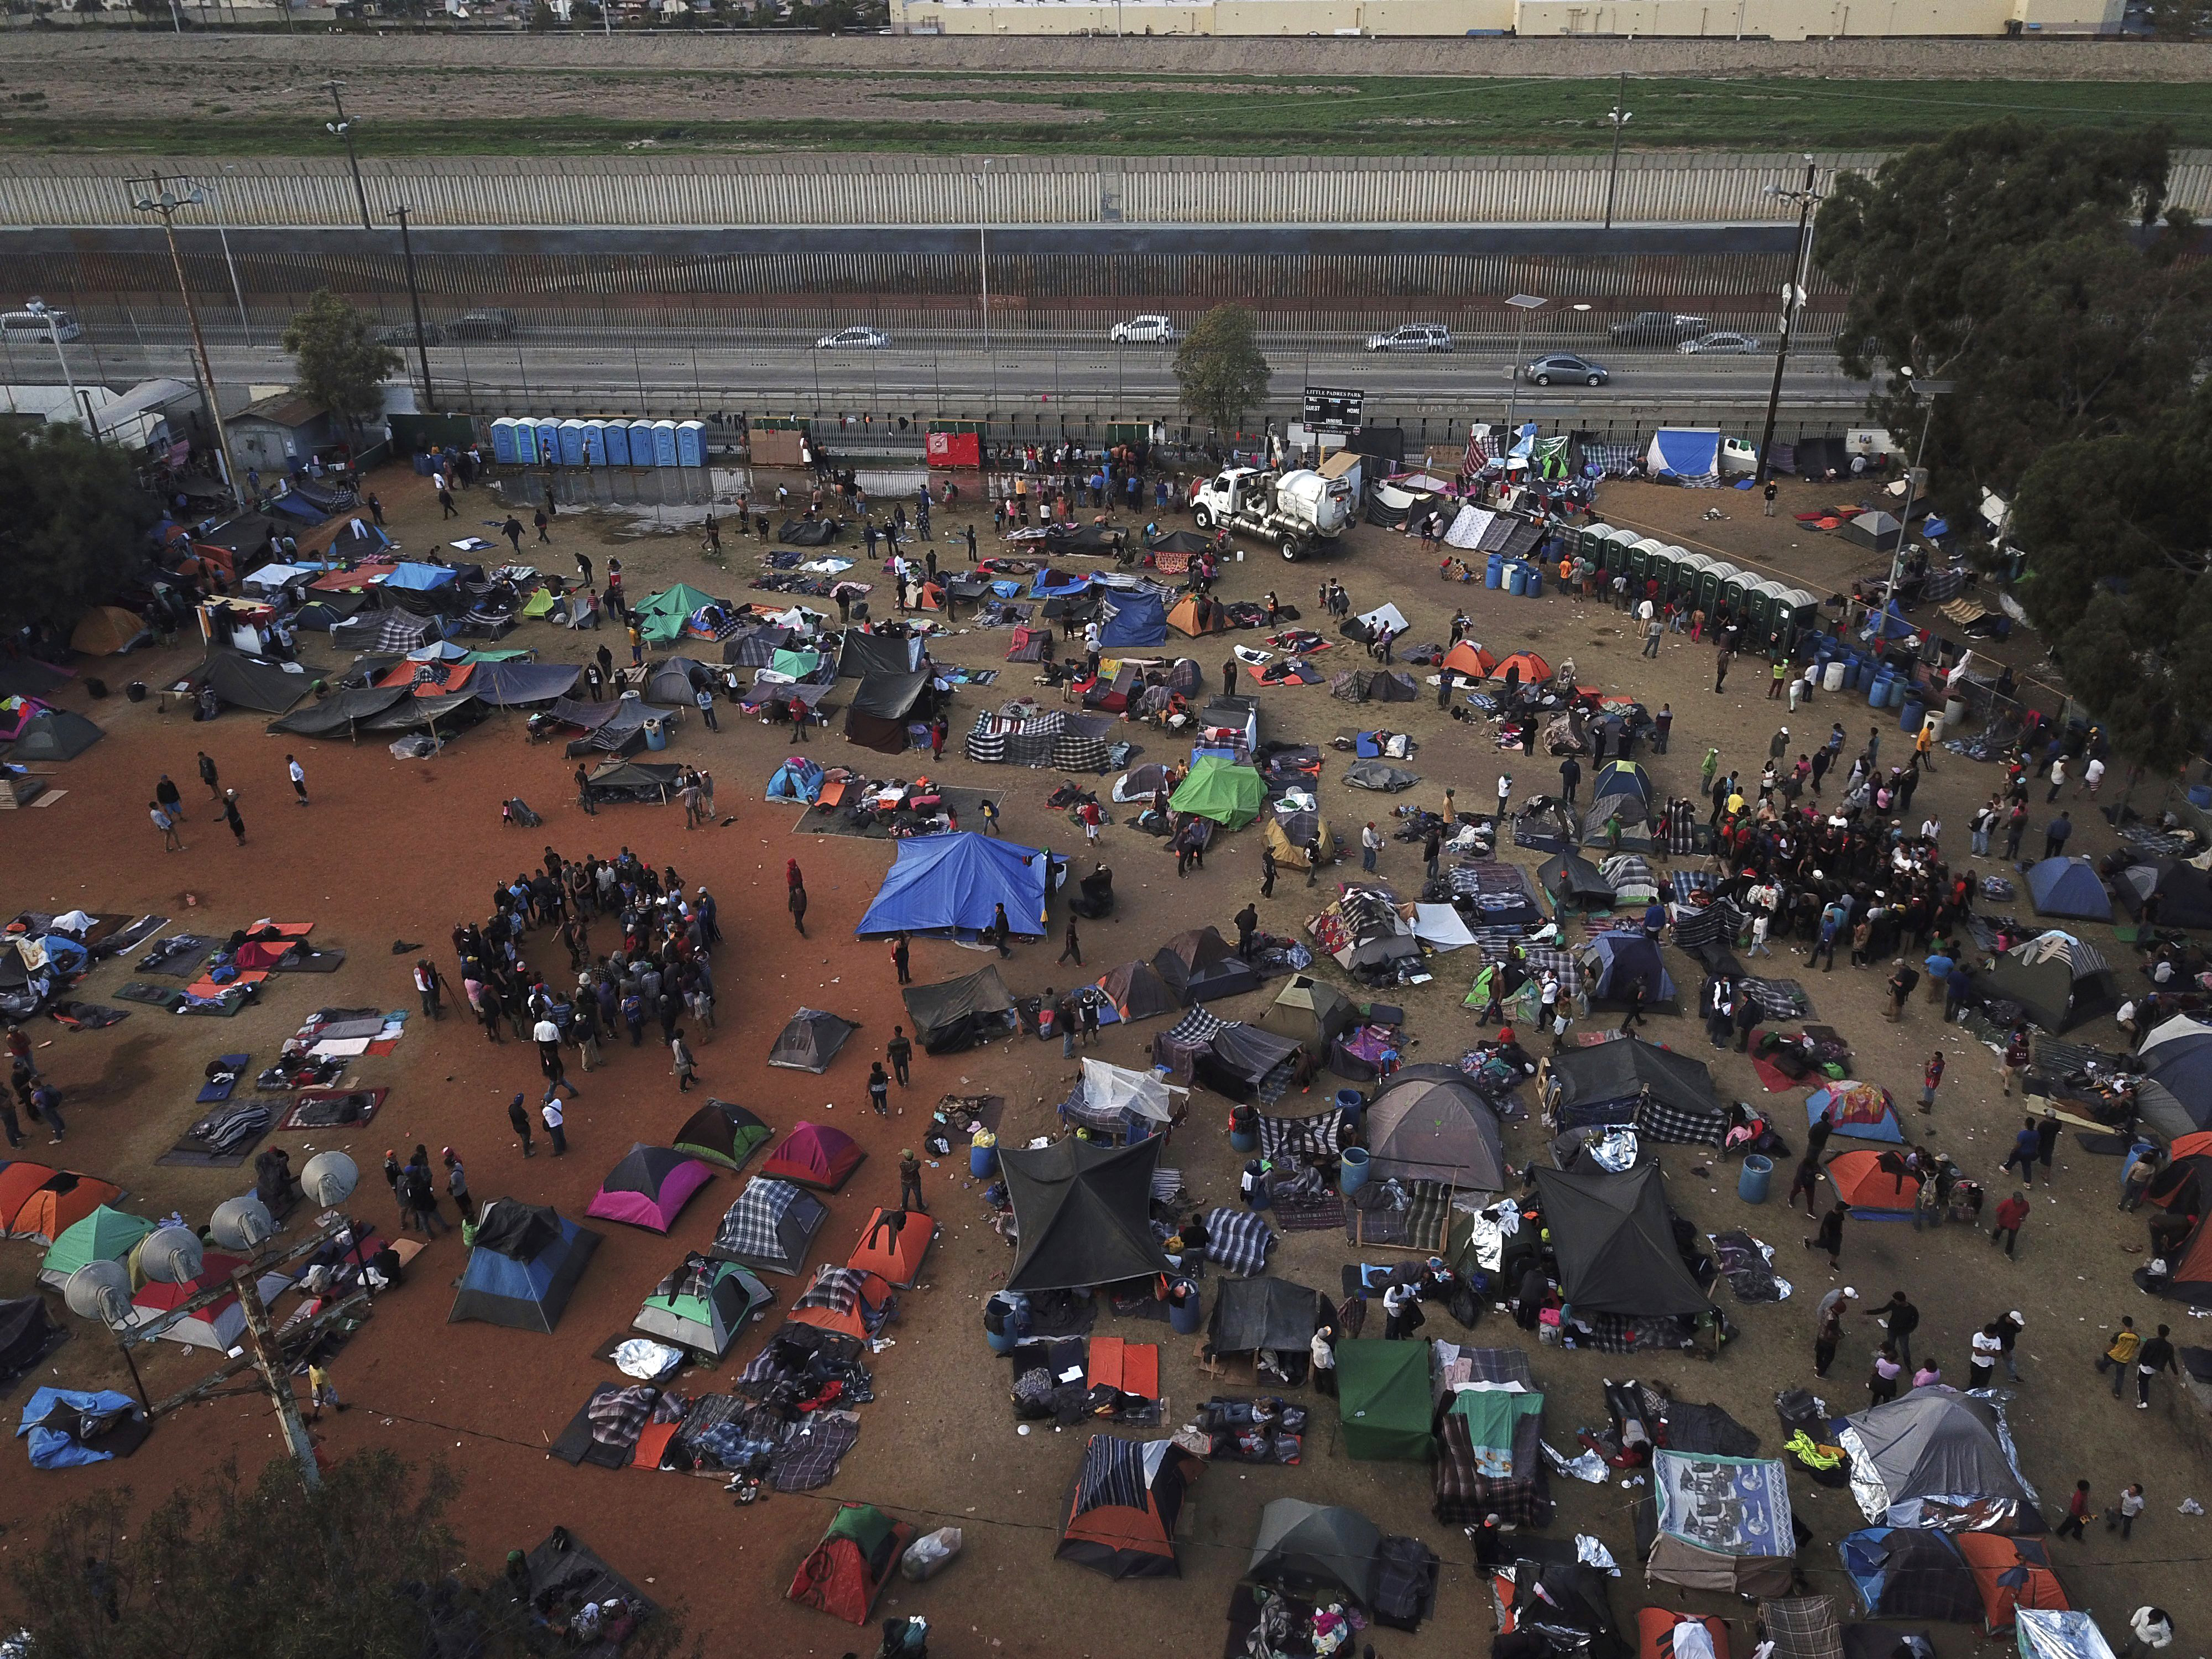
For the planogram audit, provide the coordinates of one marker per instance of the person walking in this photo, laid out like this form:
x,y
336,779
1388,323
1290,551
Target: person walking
x,y
231,817
457,1185
1900,1319
879,1089
2055,834
520,1119
2025,1147
547,1035
2121,1517
899,959
1267,871
298,773
900,1052
1828,1327
46,1107
2077,1513
208,775
1072,947
796,901
1371,843
1000,928
321,1391
2150,1632
1830,1237
1634,1016
2154,1357
2014,1064
1721,660
1882,1382
171,842
556,1121
909,1169
2120,1350
680,1061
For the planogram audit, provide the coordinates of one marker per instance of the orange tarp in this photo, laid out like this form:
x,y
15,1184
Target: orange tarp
x,y
1132,1367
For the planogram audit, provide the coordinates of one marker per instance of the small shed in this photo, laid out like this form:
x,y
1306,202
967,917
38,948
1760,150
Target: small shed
x,y
276,434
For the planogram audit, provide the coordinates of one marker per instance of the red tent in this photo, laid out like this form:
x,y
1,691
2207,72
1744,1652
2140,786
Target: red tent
x,y
1874,1184
2010,1572
814,1155
893,1245
842,1573
1470,659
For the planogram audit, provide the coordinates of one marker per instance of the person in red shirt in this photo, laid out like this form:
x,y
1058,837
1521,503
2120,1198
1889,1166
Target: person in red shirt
x,y
2077,1513
1930,1080
2010,1215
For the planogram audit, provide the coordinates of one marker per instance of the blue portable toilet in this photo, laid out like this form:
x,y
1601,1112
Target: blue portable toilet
x,y
616,436
503,448
549,440
691,443
572,443
664,443
640,443
595,443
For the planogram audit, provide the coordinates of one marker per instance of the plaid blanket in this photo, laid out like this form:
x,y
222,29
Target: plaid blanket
x,y
1196,1029
809,1458
1311,1138
1622,1334
1717,923
1497,942
749,1230
1461,1497
1687,882
1663,1121
1454,1365
1241,1239
1803,1627
1420,1222
1113,1475
1614,461
1781,998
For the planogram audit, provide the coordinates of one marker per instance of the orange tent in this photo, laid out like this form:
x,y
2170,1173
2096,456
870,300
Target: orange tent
x,y
841,1300
1874,1184
18,1181
1468,659
103,630
893,1245
1535,671
2010,1572
1107,1533
842,1573
55,1204
1655,1632
1185,617
2191,1146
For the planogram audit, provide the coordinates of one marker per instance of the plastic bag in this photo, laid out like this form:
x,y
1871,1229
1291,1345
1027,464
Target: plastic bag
x,y
928,1554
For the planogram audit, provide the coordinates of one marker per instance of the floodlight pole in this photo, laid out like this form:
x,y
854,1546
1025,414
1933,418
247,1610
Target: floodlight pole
x,y
414,299
1930,390
1620,120
1793,298
1524,303
343,128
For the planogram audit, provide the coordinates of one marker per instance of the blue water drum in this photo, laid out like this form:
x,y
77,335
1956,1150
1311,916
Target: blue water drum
x,y
1493,572
1351,1104
1185,1308
1910,719
1352,1168
1878,690
1750,1185
1535,581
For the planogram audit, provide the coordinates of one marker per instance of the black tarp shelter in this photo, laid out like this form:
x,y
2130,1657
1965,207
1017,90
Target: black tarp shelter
x,y
1082,1213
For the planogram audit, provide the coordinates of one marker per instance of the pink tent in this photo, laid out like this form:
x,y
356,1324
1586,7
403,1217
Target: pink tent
x,y
649,1187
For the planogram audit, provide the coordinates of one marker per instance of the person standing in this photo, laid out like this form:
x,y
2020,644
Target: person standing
x,y
1267,869
1000,928
46,1105
2014,1064
1882,1382
321,1391
2010,1215
879,1089
547,1035
910,1182
520,1119
427,983
1931,1080
2150,1632
298,773
1986,1346
10,1123
171,842
556,1123
2121,1517
1900,1319
208,775
680,1061
1072,947
704,698
1371,843
2046,1140
900,1052
1721,658
457,1185
1828,1327
1571,778
2077,1513
166,795
2154,1357
899,959
796,901
231,817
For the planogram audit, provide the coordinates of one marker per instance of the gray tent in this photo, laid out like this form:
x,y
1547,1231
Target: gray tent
x,y
55,734
1939,1459
1316,1550
810,1041
1572,879
1251,1314
340,712
1379,775
1310,1014
676,681
505,684
1428,1123
957,1014
1082,1213
2058,979
867,656
247,681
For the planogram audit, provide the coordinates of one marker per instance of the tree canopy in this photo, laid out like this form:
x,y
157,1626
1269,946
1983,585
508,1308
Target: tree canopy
x,y
338,364
1221,369
73,533
366,1567
2034,268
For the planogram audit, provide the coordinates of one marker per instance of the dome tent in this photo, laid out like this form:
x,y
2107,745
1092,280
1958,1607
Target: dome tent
x,y
1082,1213
955,1015
814,1155
892,1246
770,1227
2184,892
1873,1184
1865,1111
1615,1238
1935,1458
2069,887
2058,980
1123,1508
1229,795
842,1574
1311,1013
524,1266
703,1305
1200,966
1908,1572
105,1235
810,1041
954,883
649,1187
1137,991
723,1134
1428,1123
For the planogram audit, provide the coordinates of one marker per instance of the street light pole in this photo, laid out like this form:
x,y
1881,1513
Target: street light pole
x,y
1620,118
343,128
415,298
1793,298
37,308
154,199
1524,303
983,253
223,230
1931,390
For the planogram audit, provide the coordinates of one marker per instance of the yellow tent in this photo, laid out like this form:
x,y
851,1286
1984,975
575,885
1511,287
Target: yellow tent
x,y
1291,856
103,630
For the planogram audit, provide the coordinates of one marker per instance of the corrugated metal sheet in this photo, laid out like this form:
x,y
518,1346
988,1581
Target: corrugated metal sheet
x,y
861,190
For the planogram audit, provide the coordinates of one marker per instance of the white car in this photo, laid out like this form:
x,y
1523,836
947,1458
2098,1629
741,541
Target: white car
x,y
1413,337
31,325
1721,344
1144,330
853,339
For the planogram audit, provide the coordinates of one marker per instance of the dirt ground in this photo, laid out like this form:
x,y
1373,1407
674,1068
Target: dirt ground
x,y
393,850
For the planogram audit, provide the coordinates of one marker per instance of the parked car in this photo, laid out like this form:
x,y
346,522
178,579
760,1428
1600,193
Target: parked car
x,y
853,339
1723,345
1660,328
1413,337
485,323
1565,365
402,334
29,325
1144,330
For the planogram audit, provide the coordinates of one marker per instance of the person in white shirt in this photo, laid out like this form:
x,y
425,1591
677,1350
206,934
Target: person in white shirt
x,y
1987,1346
1931,829
2153,1632
298,776
550,1109
2121,1517
1505,790
2092,775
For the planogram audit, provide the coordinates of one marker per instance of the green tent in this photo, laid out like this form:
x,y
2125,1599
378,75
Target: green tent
x,y
661,619
539,603
1383,1397
1230,794
703,1305
105,1235
798,665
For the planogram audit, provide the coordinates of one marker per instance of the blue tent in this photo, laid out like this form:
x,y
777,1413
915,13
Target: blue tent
x,y
298,507
953,884
2069,887
1136,619
1049,584
1685,453
1910,1572
1613,961
64,1446
420,577
525,1264
797,779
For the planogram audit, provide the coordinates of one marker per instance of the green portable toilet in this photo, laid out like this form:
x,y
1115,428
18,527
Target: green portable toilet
x,y
1590,545
1617,543
1660,567
1758,609
1687,573
1709,585
1734,584
1639,562
1800,616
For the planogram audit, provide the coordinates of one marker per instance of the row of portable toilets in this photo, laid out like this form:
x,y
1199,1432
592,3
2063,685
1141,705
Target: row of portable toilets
x,y
527,442
1774,615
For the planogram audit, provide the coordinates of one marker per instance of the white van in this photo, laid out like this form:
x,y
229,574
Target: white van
x,y
29,325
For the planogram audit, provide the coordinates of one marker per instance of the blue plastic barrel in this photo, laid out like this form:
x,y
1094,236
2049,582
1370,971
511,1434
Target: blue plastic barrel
x,y
1239,1141
1750,1184
1188,1316
1493,570
656,733
1352,1168
1914,713
1516,579
2200,796
982,1161
1878,691
1350,1105
1535,581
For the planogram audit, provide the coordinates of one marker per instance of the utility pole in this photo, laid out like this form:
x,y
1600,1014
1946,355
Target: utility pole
x,y
1931,390
1524,303
269,1360
415,298
38,308
1793,298
342,128
1620,118
155,198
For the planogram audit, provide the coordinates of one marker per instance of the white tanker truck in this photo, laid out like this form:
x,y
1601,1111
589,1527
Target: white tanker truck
x,y
1300,510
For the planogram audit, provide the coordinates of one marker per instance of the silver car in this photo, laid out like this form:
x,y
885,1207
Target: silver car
x,y
1413,337
853,339
1153,329
1721,344
1565,365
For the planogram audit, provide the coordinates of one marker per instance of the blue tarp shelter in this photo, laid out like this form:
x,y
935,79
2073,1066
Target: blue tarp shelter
x,y
526,1261
953,884
2069,887
293,506
798,780
1136,619
1049,584
420,577
1685,453
78,1418
1910,1573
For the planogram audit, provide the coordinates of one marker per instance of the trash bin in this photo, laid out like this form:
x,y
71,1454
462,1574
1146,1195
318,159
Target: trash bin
x,y
999,1319
1243,1129
983,1158
1911,716
1350,1106
1750,1185
1185,1308
656,733
1833,679
1517,581
1535,581
1351,1174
